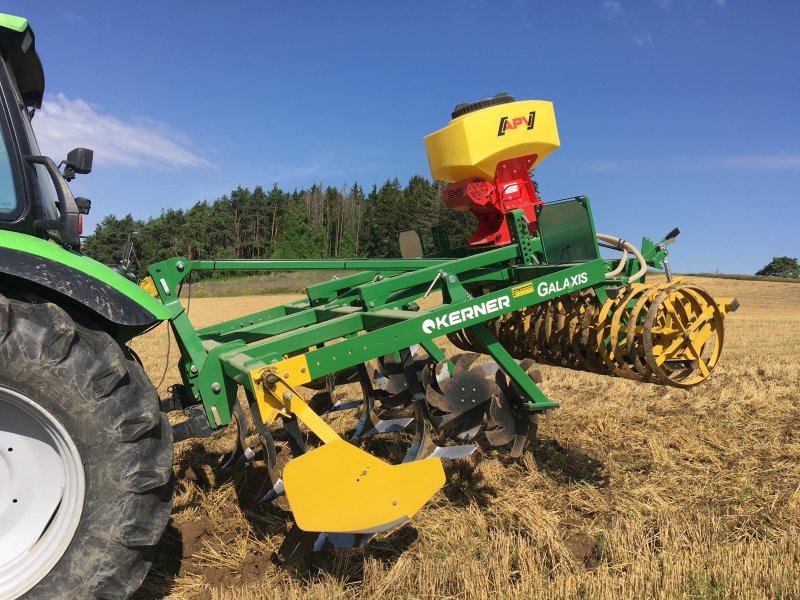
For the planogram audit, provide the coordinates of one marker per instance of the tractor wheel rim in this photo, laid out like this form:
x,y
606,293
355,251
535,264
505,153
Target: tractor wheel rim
x,y
42,490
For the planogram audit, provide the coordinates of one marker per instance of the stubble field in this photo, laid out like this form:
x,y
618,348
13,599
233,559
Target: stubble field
x,y
632,490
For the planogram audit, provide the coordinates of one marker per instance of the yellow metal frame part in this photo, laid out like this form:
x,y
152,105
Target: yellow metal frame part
x,y
338,487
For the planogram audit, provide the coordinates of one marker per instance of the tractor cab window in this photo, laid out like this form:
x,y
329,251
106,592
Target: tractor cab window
x,y
47,192
8,191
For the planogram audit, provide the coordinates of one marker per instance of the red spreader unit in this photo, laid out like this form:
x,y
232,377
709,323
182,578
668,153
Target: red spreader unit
x,y
489,201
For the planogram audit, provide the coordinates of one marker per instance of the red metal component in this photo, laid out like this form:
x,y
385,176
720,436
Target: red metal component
x,y
512,189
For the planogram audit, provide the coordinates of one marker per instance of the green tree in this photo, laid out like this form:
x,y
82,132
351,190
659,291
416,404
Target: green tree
x,y
781,266
297,237
107,243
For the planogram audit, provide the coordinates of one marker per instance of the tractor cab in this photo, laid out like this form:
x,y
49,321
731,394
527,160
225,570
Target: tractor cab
x,y
34,196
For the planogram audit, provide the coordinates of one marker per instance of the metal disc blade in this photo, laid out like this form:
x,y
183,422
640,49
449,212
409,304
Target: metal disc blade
x,y
453,452
499,437
389,426
501,414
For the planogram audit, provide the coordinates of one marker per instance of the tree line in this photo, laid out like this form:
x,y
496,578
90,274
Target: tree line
x,y
318,222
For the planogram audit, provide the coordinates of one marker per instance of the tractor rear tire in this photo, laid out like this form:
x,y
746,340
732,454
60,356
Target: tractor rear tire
x,y
76,406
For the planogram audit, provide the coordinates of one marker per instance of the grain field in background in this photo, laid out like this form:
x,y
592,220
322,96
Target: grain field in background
x,y
632,491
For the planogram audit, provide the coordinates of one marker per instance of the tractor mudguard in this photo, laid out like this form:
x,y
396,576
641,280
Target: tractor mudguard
x,y
91,284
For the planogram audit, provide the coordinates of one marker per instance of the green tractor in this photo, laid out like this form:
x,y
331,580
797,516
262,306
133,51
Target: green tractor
x,y
86,460
86,474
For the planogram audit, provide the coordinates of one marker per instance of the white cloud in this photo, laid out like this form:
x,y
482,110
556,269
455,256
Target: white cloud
x,y
760,162
766,162
643,40
63,123
612,8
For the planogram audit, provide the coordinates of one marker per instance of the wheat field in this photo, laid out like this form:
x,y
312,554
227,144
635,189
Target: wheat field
x,y
631,491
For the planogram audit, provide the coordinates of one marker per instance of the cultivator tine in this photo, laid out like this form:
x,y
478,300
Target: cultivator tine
x,y
242,452
267,446
369,423
276,490
297,444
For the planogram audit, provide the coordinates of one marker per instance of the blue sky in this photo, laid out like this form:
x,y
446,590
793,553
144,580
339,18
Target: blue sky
x,y
671,112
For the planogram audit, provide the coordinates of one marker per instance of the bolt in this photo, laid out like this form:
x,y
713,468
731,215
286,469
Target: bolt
x,y
364,472
193,369
451,278
473,389
462,400
394,502
465,389
215,387
303,370
287,396
180,266
371,304
286,375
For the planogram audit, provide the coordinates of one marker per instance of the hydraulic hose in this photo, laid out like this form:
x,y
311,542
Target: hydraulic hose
x,y
625,247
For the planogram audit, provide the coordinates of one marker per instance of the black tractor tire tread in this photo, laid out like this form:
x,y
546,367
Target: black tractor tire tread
x,y
104,399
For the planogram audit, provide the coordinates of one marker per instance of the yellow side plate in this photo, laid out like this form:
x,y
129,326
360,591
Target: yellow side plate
x,y
339,488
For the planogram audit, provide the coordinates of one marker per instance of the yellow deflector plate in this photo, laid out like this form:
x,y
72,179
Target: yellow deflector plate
x,y
339,488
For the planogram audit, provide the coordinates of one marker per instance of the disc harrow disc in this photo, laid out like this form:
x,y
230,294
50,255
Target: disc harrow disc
x,y
509,422
458,401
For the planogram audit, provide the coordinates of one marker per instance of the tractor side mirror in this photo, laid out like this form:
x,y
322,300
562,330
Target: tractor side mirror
x,y
410,244
79,162
83,204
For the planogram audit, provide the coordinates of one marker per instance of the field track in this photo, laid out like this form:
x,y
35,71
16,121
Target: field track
x,y
632,491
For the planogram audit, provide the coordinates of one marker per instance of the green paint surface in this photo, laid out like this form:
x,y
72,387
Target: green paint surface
x,y
15,23
81,262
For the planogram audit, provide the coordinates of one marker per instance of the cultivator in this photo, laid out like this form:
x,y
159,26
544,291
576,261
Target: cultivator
x,y
528,288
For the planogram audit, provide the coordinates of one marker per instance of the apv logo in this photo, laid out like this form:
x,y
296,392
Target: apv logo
x,y
466,314
556,287
506,124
